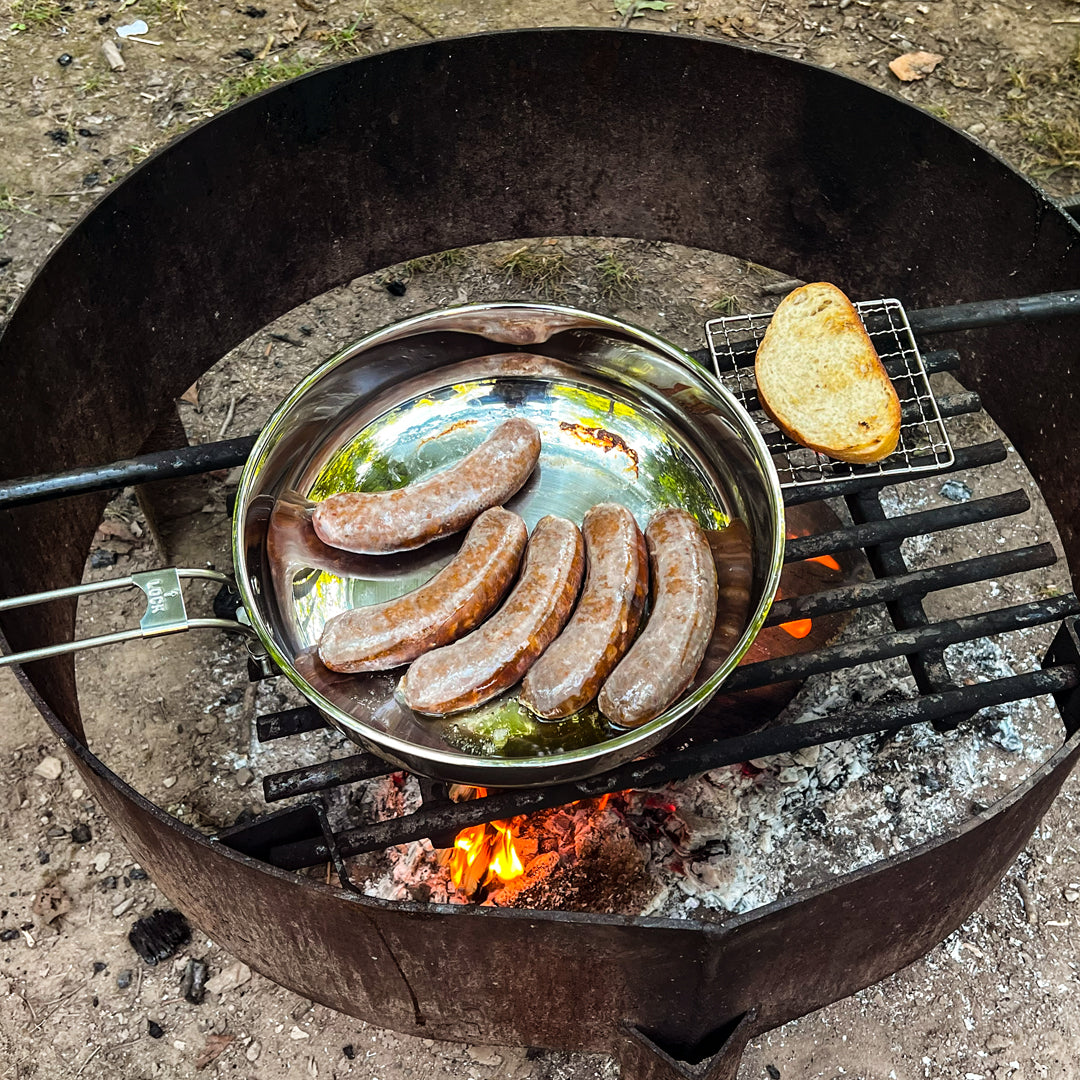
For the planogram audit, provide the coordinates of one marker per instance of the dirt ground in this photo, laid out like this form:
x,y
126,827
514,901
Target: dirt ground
x,y
1000,1000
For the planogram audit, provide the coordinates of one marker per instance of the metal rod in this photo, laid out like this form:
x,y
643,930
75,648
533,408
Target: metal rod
x,y
663,769
967,457
901,643
280,725
309,778
994,312
916,583
871,533
161,465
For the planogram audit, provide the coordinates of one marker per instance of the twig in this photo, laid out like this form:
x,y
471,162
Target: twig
x,y
58,1002
228,417
89,1059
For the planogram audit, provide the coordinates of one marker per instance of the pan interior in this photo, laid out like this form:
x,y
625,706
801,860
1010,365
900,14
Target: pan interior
x,y
619,422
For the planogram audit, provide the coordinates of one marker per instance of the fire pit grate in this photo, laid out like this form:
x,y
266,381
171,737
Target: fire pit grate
x,y
921,641
924,444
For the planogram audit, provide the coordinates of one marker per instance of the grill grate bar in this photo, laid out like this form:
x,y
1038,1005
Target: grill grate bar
x,y
901,643
916,583
280,725
868,534
968,457
451,818
310,778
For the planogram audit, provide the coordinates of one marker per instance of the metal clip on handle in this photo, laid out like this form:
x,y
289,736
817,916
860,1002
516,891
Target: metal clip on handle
x,y
166,612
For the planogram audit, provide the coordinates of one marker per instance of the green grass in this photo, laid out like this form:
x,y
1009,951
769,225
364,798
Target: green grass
x,y
1050,128
725,305
35,12
617,279
259,77
176,10
541,273
348,40
428,264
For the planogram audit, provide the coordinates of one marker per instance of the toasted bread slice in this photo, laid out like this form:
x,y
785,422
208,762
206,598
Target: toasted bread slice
x,y
820,379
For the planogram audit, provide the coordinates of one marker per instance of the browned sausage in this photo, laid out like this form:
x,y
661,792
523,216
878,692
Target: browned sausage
x,y
663,661
569,674
455,600
492,658
379,522
732,551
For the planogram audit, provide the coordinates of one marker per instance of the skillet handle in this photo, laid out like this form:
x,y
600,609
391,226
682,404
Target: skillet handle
x,y
166,612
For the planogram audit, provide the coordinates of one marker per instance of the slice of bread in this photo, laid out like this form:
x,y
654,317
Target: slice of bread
x,y
820,379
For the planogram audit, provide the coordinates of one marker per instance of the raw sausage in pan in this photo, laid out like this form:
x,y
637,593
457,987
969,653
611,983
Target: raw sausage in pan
x,y
572,670
663,661
385,521
455,600
492,658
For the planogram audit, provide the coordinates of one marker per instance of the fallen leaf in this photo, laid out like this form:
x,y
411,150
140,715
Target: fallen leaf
x,y
191,394
216,1045
290,31
114,529
51,903
914,65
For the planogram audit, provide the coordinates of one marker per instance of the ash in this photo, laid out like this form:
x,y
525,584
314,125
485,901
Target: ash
x,y
740,837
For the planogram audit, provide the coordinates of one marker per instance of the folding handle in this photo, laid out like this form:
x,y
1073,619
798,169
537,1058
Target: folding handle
x,y
166,611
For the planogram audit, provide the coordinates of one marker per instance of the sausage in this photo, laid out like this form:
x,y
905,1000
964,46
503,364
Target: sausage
x,y
604,622
455,600
663,661
492,658
379,522
732,551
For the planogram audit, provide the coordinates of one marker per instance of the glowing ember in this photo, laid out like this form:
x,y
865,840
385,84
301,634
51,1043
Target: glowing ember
x,y
798,628
826,560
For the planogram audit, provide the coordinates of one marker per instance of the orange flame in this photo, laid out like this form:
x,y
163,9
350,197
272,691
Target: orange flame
x,y
483,853
826,560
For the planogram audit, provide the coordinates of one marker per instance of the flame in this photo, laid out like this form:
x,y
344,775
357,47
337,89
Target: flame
x,y
826,560
483,853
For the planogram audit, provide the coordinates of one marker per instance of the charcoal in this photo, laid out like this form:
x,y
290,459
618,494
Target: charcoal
x,y
158,936
193,982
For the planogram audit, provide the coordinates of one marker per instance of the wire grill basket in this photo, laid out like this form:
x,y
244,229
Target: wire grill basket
x,y
924,444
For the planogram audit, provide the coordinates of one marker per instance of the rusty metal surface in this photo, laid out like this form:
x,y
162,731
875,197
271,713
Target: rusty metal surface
x,y
421,149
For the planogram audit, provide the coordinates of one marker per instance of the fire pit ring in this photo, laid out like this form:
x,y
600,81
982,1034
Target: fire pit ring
x,y
464,141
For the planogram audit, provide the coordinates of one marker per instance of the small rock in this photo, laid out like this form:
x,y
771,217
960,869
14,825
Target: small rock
x,y
484,1055
123,907
914,65
65,59
299,1033
49,768
81,834
43,856
123,980
233,976
807,757
253,1051
773,1071
955,490
205,727
154,1029
100,558
107,883
395,287
101,860
137,873
997,1042
1071,895
55,832
168,781
244,776
99,966
59,136
977,129
8,935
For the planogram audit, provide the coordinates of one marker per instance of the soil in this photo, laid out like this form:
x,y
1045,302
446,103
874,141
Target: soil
x,y
999,999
